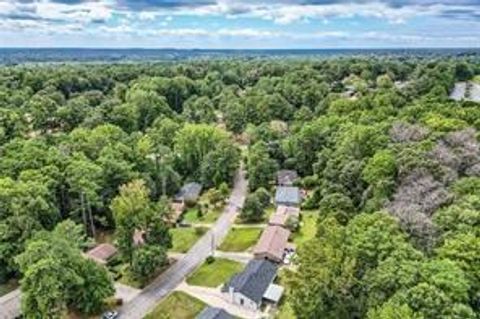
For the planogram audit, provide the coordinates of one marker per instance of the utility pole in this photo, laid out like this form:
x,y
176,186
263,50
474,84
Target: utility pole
x,y
213,244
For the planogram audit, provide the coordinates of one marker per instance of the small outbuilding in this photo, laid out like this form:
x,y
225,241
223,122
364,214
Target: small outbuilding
x,y
177,210
288,196
102,253
214,313
272,244
189,193
248,288
286,177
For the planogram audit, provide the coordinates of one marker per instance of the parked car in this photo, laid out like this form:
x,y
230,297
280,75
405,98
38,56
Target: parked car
x,y
110,315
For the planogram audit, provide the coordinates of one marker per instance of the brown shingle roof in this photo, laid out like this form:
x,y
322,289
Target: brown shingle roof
x,y
273,241
102,253
281,215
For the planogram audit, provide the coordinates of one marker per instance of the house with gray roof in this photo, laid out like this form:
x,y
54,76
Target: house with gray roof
x,y
288,196
249,287
286,177
189,193
214,313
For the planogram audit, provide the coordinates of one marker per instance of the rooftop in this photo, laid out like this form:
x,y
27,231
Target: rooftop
x,y
189,192
214,313
281,215
254,280
288,195
273,241
286,177
274,293
102,253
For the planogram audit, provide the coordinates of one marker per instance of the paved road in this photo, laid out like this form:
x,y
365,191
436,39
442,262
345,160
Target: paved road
x,y
141,305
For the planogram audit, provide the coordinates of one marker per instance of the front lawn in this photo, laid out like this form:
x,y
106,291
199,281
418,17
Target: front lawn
x,y
184,238
191,216
241,239
178,305
215,273
308,227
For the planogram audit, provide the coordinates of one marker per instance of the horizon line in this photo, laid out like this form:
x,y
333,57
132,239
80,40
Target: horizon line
x,y
243,49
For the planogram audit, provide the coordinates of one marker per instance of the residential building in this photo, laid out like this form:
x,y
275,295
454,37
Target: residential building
x,y
272,244
288,196
283,214
286,177
214,313
189,193
102,253
248,288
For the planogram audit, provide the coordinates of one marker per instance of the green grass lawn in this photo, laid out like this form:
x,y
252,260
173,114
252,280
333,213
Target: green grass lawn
x,y
285,310
240,239
214,274
476,79
184,238
308,228
178,305
8,287
191,216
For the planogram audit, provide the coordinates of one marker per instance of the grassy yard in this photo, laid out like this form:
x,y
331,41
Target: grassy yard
x,y
285,310
191,216
241,239
476,79
178,305
307,229
184,238
8,287
214,274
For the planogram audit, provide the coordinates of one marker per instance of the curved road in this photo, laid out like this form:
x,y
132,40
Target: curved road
x,y
141,305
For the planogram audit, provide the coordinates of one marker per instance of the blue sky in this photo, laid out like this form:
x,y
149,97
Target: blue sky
x,y
240,24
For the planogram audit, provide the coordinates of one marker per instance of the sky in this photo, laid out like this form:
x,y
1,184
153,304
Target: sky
x,y
235,24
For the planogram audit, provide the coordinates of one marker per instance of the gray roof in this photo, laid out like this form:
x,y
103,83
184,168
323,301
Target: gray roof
x,y
288,195
254,280
214,313
190,191
286,177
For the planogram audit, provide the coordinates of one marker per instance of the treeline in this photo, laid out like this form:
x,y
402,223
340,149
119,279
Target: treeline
x,y
390,163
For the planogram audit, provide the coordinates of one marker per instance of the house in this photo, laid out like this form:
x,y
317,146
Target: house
x,y
288,196
177,211
272,244
102,253
213,313
283,214
286,177
249,288
189,193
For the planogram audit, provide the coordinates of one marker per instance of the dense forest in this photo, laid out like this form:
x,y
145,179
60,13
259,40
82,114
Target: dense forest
x,y
389,162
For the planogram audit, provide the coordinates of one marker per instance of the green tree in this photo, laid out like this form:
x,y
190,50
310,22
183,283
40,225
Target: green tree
x,y
253,209
146,260
261,168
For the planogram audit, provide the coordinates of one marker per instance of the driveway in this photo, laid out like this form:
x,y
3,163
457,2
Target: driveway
x,y
142,304
10,305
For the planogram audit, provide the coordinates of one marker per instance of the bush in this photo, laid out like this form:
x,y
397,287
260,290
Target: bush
x,y
210,260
